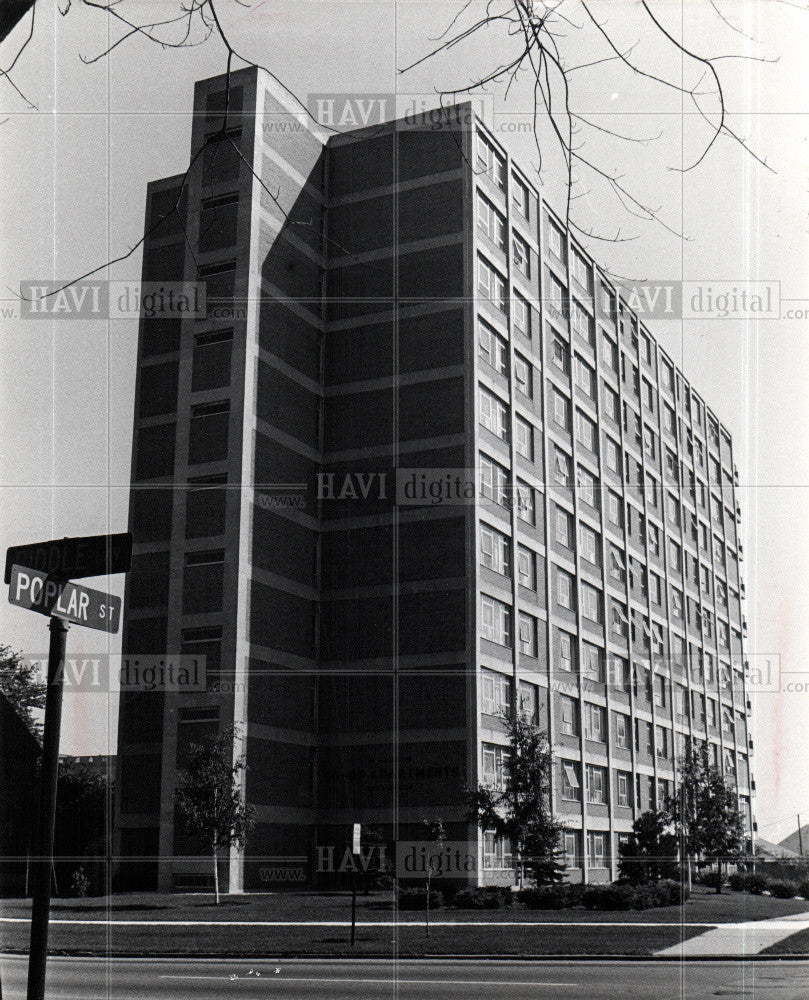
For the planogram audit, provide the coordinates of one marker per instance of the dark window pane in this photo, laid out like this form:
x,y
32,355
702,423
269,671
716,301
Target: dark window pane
x,y
202,582
212,360
161,335
151,514
158,389
148,581
217,223
221,160
205,510
209,433
155,452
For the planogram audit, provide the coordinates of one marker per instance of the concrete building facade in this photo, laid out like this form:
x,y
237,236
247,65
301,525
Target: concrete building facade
x,y
418,464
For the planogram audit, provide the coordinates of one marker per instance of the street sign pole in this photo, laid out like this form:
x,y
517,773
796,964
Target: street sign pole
x,y
46,811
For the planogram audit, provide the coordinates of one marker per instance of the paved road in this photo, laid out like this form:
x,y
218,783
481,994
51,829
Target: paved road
x,y
170,979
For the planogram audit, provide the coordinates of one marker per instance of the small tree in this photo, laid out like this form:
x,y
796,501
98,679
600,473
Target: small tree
x,y
518,809
20,683
705,812
209,800
435,836
651,852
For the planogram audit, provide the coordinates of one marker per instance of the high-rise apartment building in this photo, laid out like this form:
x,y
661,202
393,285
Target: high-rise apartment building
x,y
418,465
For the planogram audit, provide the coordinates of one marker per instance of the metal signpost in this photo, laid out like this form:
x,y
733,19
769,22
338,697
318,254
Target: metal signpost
x,y
356,836
39,581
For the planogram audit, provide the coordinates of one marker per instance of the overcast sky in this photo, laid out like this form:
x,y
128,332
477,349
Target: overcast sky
x,y
74,176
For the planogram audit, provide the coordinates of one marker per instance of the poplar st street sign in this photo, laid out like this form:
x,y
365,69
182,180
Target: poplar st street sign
x,y
36,591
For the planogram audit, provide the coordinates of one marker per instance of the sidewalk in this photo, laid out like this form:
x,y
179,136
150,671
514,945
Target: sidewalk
x,y
739,940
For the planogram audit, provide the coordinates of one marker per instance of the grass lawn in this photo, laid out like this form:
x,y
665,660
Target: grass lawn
x,y
795,944
703,908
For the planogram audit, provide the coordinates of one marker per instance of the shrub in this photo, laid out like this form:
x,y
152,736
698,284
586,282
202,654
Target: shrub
x,y
79,883
803,890
738,881
711,880
784,889
669,893
416,899
549,897
756,883
489,897
617,896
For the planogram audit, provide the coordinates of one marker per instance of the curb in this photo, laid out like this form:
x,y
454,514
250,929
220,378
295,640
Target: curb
x,y
380,956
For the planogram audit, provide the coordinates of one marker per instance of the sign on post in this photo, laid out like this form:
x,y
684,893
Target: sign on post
x,y
355,840
37,591
66,558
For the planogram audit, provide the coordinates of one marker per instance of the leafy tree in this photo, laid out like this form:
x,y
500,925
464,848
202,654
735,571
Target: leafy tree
x,y
651,852
519,809
705,812
82,823
209,800
20,683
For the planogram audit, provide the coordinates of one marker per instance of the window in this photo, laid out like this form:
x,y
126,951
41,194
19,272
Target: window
x,y
520,196
653,534
615,509
611,404
566,652
555,240
584,377
563,530
493,481
676,604
491,284
527,567
712,712
491,162
217,222
569,712
208,439
490,222
587,487
521,255
612,456
596,785
556,293
658,644
610,353
669,420
650,443
580,269
589,544
675,557
668,374
617,565
581,322
492,348
497,852
607,301
493,413
624,786
621,730
571,787
495,766
212,352
564,589
495,620
494,550
529,702
663,740
526,508
521,314
528,634
525,439
620,622
203,579
496,693
585,431
673,509
594,723
660,691
561,467
590,603
561,410
596,849
205,641
592,662
560,355
523,376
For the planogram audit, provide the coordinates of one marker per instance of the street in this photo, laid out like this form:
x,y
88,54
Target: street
x,y
203,979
